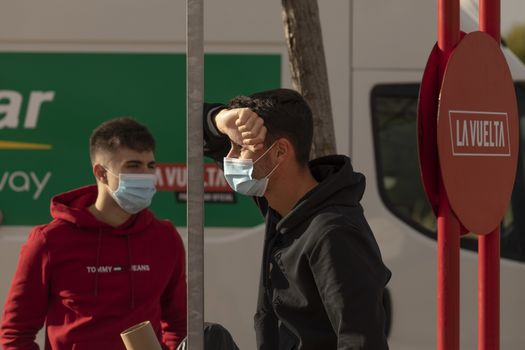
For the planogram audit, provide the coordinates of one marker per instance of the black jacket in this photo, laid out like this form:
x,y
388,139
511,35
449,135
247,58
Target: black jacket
x,y
322,276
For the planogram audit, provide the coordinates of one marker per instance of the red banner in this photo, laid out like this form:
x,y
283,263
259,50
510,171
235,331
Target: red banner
x,y
173,177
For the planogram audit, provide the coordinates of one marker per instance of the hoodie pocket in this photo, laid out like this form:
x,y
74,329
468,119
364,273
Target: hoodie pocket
x,y
99,345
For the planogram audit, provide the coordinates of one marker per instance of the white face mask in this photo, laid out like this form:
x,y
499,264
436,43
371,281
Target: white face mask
x,y
238,174
134,192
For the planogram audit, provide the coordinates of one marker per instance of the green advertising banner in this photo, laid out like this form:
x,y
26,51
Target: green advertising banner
x,y
50,103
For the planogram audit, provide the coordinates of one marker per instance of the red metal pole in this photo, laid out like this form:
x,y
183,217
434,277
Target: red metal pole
x,y
448,24
490,18
448,277
448,31
489,245
488,291
447,223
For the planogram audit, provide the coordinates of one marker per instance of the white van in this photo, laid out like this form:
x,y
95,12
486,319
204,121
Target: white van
x,y
376,52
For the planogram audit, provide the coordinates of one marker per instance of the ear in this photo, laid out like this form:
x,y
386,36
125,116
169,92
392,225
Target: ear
x,y
100,173
285,149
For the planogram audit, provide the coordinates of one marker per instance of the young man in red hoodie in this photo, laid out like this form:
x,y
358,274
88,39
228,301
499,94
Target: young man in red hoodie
x,y
104,263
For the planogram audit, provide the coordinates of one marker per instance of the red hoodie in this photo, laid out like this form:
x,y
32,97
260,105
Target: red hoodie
x,y
89,281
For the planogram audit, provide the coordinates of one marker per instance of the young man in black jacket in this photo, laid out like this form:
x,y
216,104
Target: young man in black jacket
x,y
322,276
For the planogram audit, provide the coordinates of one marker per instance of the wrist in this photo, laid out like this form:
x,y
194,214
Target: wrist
x,y
219,120
211,120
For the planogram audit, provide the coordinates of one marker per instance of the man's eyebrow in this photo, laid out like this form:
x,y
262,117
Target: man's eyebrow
x,y
134,162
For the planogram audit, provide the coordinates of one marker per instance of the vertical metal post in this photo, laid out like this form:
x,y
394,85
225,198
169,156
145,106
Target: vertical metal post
x,y
448,276
490,18
448,26
195,202
488,291
489,245
351,80
448,224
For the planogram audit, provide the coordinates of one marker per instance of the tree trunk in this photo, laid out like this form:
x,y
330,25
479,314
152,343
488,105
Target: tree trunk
x,y
302,29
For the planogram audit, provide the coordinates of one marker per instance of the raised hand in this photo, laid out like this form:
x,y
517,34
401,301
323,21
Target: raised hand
x,y
243,127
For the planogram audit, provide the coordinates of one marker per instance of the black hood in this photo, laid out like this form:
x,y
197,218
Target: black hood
x,y
338,185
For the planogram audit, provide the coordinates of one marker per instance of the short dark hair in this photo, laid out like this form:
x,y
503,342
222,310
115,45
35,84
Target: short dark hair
x,y
120,132
285,114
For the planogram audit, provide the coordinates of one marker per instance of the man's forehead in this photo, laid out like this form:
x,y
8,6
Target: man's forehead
x,y
122,156
129,153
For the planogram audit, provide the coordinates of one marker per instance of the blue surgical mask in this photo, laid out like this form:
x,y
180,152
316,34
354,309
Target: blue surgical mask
x,y
134,192
238,174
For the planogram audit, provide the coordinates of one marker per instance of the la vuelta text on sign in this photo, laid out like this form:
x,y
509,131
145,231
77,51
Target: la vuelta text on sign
x,y
475,133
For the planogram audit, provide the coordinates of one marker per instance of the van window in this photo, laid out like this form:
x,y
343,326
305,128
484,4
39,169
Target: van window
x,y
394,119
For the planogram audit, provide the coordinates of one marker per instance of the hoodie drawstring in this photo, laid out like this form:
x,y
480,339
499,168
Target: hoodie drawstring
x,y
99,247
131,284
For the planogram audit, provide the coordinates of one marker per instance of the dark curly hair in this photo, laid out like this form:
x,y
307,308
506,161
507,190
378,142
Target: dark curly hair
x,y
285,114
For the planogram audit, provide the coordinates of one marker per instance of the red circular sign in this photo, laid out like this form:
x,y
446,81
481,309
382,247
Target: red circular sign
x,y
477,133
427,129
